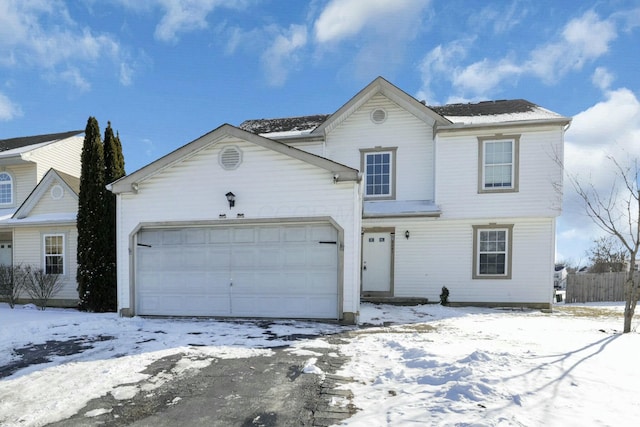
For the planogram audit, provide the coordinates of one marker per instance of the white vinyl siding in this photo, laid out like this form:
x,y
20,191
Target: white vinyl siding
x,y
440,253
267,185
24,181
47,204
539,176
28,249
413,137
63,156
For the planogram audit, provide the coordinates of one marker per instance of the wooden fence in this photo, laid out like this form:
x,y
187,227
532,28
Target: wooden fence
x,y
592,287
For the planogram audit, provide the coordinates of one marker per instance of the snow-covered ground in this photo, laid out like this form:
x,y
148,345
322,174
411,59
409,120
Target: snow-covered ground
x,y
431,365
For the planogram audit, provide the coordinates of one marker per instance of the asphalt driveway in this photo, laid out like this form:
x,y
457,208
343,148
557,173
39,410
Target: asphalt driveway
x,y
256,391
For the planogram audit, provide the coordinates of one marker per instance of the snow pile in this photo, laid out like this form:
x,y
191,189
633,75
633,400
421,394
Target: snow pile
x,y
465,366
425,365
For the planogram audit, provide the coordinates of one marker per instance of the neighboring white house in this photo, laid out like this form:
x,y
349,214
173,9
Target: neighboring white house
x,y
39,188
414,197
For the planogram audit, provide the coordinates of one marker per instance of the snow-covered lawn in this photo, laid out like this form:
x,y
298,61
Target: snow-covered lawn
x,y
431,365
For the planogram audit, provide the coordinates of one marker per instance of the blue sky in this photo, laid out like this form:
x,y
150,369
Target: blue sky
x,y
167,71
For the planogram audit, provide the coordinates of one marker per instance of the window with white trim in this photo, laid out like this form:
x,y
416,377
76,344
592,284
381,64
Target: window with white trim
x,y
492,251
6,189
54,254
498,164
379,173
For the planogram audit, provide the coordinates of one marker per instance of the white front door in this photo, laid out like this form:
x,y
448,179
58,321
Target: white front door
x,y
5,253
377,250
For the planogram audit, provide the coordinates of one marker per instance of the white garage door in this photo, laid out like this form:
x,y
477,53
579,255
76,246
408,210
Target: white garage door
x,y
248,271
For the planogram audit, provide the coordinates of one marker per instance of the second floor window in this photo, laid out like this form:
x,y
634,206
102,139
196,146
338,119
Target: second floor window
x,y
6,189
379,173
498,165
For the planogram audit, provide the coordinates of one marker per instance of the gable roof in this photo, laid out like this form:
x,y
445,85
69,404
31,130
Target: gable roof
x,y
445,116
380,86
70,184
26,141
130,182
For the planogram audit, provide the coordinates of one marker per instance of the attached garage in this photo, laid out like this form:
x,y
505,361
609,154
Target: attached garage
x,y
286,246
271,270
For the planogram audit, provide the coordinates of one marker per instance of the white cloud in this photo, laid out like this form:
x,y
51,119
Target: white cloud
x,y
582,40
8,110
281,56
345,18
602,78
41,34
485,75
610,128
182,16
372,37
437,63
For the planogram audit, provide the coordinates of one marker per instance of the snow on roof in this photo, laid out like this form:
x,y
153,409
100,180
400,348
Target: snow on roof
x,y
285,124
49,218
499,111
383,208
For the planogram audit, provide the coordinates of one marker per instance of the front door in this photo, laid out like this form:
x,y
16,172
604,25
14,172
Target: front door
x,y
5,253
377,256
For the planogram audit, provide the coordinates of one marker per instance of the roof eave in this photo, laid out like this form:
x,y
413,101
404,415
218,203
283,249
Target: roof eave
x,y
130,183
560,121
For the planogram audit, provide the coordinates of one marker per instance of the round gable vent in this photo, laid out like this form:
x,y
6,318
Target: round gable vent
x,y
230,157
378,115
57,192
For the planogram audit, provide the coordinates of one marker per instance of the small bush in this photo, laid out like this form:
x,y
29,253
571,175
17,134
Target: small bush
x,y
444,296
41,286
12,283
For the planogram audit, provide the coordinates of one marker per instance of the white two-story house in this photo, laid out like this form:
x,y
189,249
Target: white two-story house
x,y
39,185
385,199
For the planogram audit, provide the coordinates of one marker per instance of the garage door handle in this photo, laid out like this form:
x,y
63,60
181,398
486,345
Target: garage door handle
x,y
327,242
144,245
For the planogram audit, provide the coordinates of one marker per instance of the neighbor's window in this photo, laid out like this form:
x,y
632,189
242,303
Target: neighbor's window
x,y
54,254
379,173
6,189
498,164
492,252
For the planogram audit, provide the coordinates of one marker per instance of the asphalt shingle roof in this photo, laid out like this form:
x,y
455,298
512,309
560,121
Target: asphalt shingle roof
x,y
25,141
484,108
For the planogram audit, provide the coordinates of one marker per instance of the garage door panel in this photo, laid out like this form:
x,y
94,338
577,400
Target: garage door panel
x,y
243,235
219,235
252,271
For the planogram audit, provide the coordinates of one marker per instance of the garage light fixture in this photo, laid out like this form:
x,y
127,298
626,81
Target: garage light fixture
x,y
231,198
407,234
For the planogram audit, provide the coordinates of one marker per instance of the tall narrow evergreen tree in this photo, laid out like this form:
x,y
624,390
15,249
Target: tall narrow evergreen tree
x,y
113,169
90,220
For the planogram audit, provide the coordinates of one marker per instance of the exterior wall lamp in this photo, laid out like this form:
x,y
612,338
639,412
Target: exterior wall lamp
x,y
407,234
231,198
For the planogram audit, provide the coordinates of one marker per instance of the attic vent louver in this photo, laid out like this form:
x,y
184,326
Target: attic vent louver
x,y
378,115
230,157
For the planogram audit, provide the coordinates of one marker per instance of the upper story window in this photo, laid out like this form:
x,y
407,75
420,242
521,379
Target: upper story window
x,y
379,173
6,189
498,164
54,254
492,251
